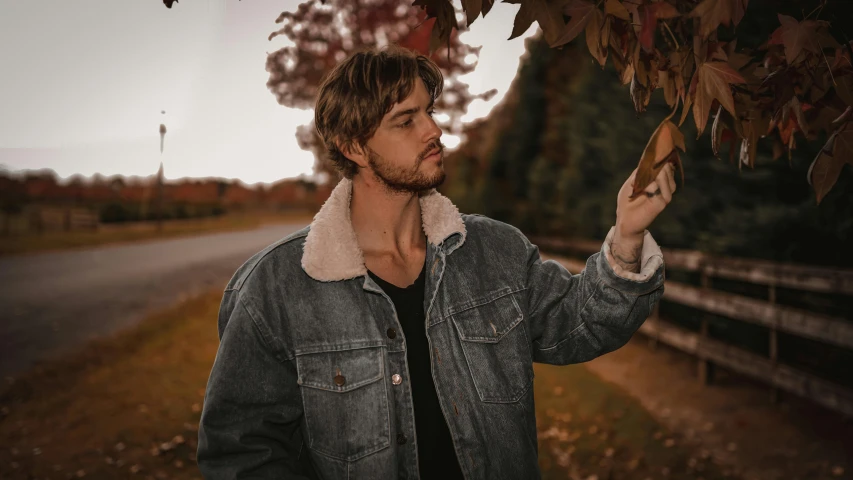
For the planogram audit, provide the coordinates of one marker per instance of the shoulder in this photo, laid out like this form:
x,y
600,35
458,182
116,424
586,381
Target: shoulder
x,y
494,234
281,256
481,224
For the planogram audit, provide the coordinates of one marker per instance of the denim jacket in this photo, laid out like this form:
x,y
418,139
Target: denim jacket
x,y
305,382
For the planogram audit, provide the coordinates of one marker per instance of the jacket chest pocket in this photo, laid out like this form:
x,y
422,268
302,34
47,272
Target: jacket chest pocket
x,y
345,402
496,348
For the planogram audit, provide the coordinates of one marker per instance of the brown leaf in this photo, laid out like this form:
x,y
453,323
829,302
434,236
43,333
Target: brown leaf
x,y
663,10
717,131
688,99
670,92
649,16
445,21
738,10
472,9
844,142
640,94
593,37
547,16
826,167
712,13
841,59
660,150
487,6
616,9
701,107
796,37
627,74
823,118
606,30
523,19
844,88
580,12
749,145
715,78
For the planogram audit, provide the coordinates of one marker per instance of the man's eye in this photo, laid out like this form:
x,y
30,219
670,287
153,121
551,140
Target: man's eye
x,y
406,123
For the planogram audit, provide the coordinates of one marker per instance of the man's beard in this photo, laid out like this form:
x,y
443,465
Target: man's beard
x,y
406,180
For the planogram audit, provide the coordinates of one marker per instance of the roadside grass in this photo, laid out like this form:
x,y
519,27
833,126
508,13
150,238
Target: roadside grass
x,y
137,231
591,429
128,406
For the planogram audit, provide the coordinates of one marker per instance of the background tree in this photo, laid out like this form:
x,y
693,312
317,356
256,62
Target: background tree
x,y
325,33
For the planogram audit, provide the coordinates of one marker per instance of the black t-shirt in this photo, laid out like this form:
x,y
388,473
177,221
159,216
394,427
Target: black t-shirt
x,y
436,457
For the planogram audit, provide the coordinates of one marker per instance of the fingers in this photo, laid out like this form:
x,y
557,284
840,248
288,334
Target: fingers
x,y
664,185
671,178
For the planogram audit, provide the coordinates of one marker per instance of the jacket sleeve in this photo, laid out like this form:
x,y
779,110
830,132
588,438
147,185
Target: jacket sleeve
x,y
576,318
249,425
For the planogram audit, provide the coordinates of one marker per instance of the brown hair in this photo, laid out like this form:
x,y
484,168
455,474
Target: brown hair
x,y
355,96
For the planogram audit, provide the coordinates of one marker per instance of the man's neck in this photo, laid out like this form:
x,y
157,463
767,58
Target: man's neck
x,y
386,223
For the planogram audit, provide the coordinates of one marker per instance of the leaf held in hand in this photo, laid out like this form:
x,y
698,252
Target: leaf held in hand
x,y
660,150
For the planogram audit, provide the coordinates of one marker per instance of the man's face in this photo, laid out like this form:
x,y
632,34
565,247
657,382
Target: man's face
x,y
405,154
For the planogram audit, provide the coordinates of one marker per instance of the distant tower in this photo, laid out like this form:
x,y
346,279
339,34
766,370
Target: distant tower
x,y
159,198
162,135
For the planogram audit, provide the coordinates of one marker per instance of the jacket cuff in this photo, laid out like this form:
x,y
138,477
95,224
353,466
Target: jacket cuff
x,y
651,266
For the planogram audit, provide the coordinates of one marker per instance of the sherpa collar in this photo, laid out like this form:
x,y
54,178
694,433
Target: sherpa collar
x,y
331,250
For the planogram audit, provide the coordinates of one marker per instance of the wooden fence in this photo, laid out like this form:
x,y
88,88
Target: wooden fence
x,y
42,219
829,329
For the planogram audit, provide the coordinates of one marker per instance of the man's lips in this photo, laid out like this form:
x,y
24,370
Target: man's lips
x,y
434,153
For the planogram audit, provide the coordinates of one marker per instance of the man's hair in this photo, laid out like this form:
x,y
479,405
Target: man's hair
x,y
355,96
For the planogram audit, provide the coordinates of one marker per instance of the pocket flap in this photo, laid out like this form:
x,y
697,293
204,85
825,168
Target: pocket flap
x,y
489,322
340,371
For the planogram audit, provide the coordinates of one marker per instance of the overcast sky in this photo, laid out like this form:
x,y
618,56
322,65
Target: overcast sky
x,y
84,83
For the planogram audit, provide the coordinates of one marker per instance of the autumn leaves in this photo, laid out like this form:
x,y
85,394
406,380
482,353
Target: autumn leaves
x,y
798,84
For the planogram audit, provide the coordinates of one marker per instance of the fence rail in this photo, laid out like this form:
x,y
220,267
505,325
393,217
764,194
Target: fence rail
x,y
799,322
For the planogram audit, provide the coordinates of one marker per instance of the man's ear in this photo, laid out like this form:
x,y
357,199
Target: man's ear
x,y
354,152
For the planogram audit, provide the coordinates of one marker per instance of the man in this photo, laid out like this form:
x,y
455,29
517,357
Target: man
x,y
394,337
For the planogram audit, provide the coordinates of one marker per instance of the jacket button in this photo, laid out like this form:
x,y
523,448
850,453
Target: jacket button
x,y
401,439
340,380
396,379
392,333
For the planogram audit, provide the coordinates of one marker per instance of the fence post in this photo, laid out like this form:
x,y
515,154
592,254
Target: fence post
x,y
774,344
706,367
654,339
